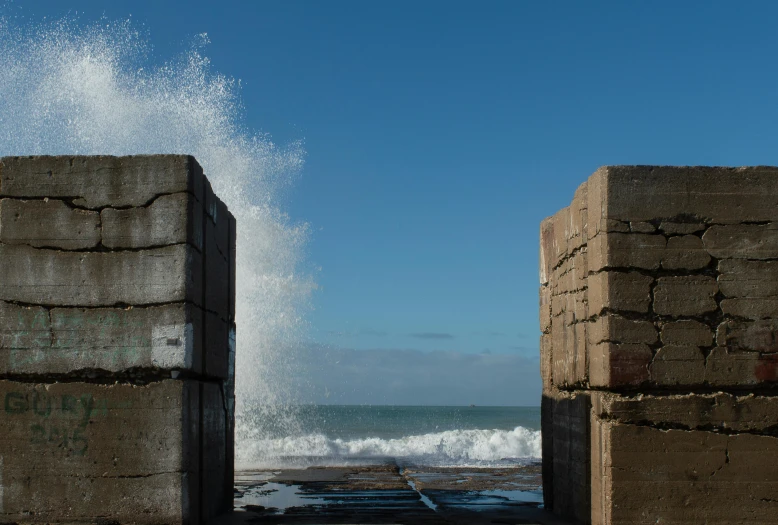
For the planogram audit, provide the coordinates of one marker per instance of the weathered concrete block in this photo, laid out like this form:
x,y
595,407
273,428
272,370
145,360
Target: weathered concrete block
x,y
751,308
134,450
760,336
739,369
681,228
687,332
217,346
545,309
685,253
688,295
49,224
566,453
642,227
692,194
649,475
546,361
217,268
742,241
616,329
740,278
619,292
233,233
678,365
96,182
672,256
719,411
626,250
614,365
217,472
547,259
55,278
169,219
161,339
115,269
220,219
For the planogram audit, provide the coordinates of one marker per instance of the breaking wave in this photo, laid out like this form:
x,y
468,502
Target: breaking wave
x,y
486,448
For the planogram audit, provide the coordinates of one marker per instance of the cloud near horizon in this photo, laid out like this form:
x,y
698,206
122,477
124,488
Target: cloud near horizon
x,y
412,377
432,335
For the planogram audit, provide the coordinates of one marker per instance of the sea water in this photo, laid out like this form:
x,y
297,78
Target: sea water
x,y
440,436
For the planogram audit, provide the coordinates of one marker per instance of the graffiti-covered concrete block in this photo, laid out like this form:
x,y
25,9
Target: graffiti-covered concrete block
x,y
135,450
117,340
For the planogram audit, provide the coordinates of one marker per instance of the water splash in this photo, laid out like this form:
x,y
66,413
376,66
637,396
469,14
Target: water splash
x,y
70,89
473,447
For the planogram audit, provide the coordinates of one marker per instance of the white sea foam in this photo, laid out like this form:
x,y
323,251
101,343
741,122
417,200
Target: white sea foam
x,y
68,89
450,448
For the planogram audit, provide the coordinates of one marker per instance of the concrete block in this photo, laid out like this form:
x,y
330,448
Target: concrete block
x,y
725,368
568,425
689,295
742,241
578,217
562,363
217,346
134,450
687,194
23,327
681,228
569,356
55,278
97,182
759,336
751,308
217,475
233,243
169,219
217,270
621,365
158,339
685,253
642,227
678,365
547,258
716,411
48,224
687,332
626,250
545,309
652,475
219,218
546,361
741,278
619,292
616,329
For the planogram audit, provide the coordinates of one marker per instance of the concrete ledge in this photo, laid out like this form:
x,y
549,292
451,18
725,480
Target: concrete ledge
x,y
96,182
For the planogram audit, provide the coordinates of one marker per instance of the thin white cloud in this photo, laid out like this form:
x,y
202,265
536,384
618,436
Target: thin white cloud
x,y
413,377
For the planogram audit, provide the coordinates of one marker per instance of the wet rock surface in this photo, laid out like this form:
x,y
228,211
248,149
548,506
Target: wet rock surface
x,y
389,493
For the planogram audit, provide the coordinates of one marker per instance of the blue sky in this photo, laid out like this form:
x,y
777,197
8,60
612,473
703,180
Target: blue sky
x,y
440,134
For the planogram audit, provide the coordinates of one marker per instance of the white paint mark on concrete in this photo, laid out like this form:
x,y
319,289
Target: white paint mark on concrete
x,y
172,346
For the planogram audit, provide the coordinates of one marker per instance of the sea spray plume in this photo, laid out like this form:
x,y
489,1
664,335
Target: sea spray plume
x,y
69,89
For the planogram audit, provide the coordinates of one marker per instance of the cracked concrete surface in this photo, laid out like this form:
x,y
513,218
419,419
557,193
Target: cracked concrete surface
x,y
116,340
658,318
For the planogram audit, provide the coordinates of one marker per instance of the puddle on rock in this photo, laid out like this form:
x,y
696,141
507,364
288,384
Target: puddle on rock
x,y
277,496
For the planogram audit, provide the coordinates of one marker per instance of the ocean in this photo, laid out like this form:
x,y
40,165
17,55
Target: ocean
x,y
434,436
